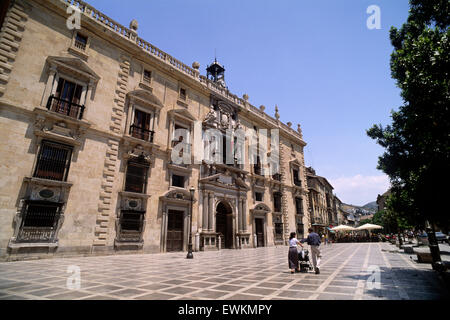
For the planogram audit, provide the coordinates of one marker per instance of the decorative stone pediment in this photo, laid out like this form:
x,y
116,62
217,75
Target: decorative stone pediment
x,y
73,66
295,162
59,127
183,114
144,98
178,195
133,201
138,152
260,208
46,190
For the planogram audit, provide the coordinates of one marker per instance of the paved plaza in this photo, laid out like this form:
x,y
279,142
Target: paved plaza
x,y
256,274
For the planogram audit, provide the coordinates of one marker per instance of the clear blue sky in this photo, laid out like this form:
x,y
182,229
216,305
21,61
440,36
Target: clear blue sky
x,y
316,60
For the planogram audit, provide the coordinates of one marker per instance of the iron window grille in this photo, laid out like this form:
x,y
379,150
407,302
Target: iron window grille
x,y
80,42
298,205
183,94
131,225
277,202
136,177
278,231
39,222
259,196
53,161
147,77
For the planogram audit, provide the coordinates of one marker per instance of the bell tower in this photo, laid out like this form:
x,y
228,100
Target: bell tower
x,y
216,73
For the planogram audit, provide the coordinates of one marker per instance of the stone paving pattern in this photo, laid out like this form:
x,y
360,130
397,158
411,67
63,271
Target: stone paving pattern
x,y
256,274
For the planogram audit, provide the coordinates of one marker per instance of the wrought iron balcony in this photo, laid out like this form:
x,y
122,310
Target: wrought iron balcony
x,y
141,133
66,107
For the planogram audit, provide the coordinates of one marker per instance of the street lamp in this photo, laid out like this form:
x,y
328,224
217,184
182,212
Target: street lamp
x,y
190,255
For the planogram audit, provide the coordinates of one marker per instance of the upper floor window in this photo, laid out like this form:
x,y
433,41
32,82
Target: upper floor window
x,y
136,177
142,125
259,196
179,134
79,46
147,76
298,206
80,41
67,99
178,181
53,161
296,175
183,94
277,202
257,168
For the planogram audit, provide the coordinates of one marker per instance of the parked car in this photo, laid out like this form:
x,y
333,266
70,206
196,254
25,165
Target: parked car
x,y
440,237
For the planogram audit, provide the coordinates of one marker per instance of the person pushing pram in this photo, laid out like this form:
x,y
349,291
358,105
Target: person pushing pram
x,y
313,240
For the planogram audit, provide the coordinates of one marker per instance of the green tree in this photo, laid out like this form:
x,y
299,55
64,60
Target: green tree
x,y
417,150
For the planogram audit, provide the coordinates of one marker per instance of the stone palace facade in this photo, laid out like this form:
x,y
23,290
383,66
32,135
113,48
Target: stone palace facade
x,y
90,116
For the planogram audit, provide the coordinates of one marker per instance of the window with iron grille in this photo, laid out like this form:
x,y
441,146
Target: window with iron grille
x,y
300,231
278,231
131,221
299,205
80,41
136,177
147,77
295,173
53,161
141,126
39,222
258,196
67,99
277,202
182,94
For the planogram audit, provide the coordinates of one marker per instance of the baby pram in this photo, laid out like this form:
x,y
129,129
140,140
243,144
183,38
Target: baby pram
x,y
303,260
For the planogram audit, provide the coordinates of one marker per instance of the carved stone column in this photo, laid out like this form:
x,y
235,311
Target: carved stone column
x,y
244,215
239,214
211,211
205,210
49,86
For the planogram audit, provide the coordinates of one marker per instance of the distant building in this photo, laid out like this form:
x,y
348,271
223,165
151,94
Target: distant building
x,y
323,211
381,200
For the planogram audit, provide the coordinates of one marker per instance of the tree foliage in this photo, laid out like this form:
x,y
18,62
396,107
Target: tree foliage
x,y
417,150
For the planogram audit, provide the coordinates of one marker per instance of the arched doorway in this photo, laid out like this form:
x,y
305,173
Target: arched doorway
x,y
224,224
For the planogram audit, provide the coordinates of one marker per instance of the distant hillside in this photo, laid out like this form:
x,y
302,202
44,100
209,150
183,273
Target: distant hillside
x,y
371,206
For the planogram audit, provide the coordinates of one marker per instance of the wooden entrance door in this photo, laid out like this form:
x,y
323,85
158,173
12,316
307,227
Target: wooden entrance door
x,y
259,224
224,225
174,231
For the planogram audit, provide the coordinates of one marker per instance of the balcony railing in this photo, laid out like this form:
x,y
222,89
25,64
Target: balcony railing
x,y
141,133
80,45
66,107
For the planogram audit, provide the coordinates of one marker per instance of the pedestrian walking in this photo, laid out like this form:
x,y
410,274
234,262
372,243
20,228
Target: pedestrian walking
x,y
314,242
293,253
